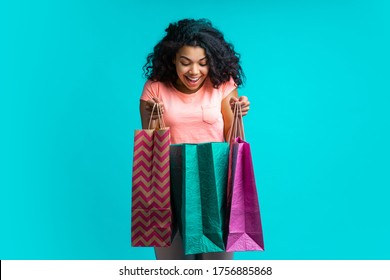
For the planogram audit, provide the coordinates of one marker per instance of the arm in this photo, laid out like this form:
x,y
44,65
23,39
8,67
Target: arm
x,y
145,109
227,109
227,112
145,115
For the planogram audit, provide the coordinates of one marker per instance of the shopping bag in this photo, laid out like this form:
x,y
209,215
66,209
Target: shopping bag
x,y
151,219
244,221
198,186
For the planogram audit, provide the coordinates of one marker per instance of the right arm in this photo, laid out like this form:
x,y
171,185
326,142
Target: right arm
x,y
150,96
144,114
145,109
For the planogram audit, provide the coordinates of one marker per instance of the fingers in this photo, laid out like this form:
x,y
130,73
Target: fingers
x,y
150,104
233,100
243,102
244,105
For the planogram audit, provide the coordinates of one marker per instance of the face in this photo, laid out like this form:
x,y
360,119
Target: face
x,y
191,68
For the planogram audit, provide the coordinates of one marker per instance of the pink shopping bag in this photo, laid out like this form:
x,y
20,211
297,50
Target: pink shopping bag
x,y
244,222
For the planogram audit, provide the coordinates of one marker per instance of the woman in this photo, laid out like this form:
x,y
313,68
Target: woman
x,y
193,73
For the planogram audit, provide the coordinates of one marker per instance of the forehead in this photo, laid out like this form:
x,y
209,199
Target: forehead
x,y
193,53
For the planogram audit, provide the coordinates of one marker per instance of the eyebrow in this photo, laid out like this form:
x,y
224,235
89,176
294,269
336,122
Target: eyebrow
x,y
182,56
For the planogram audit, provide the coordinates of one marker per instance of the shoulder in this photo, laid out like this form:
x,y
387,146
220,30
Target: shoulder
x,y
150,84
154,89
227,87
150,90
229,84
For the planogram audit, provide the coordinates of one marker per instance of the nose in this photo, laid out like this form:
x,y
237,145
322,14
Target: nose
x,y
194,70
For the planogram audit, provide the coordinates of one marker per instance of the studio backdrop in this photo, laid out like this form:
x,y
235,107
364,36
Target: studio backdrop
x,y
317,77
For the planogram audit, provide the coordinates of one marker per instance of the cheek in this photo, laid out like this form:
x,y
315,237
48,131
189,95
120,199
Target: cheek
x,y
180,70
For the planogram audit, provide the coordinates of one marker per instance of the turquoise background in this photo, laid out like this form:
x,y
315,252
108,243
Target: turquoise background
x,y
318,81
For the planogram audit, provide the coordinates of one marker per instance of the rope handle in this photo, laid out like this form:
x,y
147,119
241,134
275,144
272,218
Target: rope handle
x,y
237,127
161,123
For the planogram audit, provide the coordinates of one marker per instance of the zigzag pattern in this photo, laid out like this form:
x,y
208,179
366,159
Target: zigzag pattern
x,y
151,206
149,202
143,155
154,237
148,219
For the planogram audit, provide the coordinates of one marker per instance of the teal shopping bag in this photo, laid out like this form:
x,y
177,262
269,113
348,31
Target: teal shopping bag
x,y
198,188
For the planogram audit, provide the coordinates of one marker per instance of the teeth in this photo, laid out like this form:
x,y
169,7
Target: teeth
x,y
193,80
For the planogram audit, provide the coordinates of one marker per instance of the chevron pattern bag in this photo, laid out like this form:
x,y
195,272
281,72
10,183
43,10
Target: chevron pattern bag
x,y
151,219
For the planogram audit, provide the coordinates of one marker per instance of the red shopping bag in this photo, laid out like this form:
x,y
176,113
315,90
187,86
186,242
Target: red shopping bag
x,y
151,217
244,222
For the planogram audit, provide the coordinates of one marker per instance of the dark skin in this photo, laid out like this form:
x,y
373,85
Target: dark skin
x,y
191,62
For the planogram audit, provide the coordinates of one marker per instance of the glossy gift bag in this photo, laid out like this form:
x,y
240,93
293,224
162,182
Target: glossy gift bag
x,y
244,222
198,185
151,217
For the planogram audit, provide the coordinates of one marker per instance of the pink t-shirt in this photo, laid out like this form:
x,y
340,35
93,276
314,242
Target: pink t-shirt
x,y
192,118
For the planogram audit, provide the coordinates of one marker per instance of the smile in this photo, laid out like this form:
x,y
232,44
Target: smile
x,y
192,80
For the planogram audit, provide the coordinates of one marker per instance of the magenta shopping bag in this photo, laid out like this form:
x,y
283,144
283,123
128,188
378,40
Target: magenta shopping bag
x,y
244,222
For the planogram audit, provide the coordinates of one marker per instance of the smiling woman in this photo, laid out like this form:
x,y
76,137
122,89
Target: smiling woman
x,y
193,59
193,73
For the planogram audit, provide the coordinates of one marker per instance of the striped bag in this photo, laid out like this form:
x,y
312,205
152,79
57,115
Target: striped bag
x,y
151,218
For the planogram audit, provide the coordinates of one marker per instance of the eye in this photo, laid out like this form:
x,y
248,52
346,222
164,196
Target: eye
x,y
185,63
203,62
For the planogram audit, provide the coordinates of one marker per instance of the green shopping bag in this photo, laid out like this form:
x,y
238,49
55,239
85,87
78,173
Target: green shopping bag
x,y
198,188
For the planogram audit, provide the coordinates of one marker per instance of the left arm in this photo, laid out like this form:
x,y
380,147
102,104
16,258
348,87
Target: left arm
x,y
227,107
227,112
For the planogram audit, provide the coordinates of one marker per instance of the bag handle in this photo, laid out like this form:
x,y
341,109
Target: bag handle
x,y
161,123
237,127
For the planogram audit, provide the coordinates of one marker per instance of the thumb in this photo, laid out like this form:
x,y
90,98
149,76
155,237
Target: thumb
x,y
233,100
243,98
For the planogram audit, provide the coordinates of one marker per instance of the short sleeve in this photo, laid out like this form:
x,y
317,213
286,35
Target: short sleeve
x,y
228,87
150,90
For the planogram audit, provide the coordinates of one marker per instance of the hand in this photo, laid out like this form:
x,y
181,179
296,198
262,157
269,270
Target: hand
x,y
243,102
149,107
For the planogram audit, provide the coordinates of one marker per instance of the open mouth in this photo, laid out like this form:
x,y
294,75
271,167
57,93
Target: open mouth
x,y
192,81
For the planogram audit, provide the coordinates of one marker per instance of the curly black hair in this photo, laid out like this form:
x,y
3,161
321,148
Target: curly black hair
x,y
222,59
